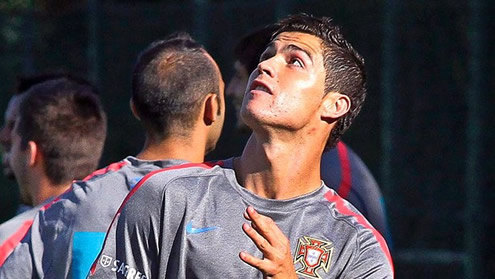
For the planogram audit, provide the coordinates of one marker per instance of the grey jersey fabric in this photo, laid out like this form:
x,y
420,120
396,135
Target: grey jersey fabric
x,y
15,229
12,225
186,222
344,171
66,237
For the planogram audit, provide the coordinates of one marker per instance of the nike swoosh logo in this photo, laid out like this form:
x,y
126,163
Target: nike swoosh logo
x,y
191,230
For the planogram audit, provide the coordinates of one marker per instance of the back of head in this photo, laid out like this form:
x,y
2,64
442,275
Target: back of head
x,y
344,67
171,79
23,84
64,117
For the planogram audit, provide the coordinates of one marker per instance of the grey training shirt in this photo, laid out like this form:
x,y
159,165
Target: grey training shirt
x,y
186,222
65,238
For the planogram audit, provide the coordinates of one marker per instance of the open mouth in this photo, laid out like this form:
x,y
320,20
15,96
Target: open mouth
x,y
260,86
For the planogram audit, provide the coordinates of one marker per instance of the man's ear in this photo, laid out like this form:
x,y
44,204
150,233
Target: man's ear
x,y
133,109
335,105
33,153
211,106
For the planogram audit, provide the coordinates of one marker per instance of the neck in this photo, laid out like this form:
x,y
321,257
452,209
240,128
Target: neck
x,y
188,149
278,169
45,190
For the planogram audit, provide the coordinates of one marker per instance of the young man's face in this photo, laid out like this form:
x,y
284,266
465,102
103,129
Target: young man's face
x,y
287,89
6,134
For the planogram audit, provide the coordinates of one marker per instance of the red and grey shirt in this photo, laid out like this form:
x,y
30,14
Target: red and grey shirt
x,y
343,170
14,230
67,234
186,222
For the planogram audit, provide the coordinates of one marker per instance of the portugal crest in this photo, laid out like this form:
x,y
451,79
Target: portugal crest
x,y
312,254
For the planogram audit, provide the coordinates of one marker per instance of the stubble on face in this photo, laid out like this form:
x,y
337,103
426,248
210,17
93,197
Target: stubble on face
x,y
287,89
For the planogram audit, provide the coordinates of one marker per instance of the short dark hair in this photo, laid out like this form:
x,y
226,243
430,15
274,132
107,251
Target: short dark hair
x,y
66,120
344,67
169,83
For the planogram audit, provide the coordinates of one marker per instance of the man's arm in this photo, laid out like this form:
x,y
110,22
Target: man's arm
x,y
370,261
368,191
345,172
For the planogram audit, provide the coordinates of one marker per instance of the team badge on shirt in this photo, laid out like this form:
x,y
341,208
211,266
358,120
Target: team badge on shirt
x,y
313,255
105,260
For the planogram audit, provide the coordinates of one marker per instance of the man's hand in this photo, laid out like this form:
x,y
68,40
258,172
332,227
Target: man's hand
x,y
266,235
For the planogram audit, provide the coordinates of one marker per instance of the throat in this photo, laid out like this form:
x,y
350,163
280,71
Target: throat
x,y
277,175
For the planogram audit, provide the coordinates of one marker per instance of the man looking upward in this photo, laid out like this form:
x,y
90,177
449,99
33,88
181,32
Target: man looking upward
x,y
191,222
341,168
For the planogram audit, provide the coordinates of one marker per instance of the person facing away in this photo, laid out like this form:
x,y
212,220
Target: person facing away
x,y
177,95
200,221
23,84
341,168
58,136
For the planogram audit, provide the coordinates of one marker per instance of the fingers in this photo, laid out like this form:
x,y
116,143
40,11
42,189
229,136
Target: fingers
x,y
266,267
264,225
271,241
267,236
251,260
260,242
246,215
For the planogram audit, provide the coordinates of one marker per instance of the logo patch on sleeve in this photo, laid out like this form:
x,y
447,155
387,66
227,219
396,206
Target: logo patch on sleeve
x,y
313,255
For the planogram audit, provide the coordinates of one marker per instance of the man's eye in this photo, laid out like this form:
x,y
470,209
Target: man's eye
x,y
296,62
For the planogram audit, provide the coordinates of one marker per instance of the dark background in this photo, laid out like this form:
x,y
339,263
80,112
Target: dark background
x,y
425,130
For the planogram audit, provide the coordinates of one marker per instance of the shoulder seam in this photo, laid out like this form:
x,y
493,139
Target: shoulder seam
x,y
145,178
206,165
103,171
340,206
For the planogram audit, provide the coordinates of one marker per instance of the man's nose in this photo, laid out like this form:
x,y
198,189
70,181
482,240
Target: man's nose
x,y
268,67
